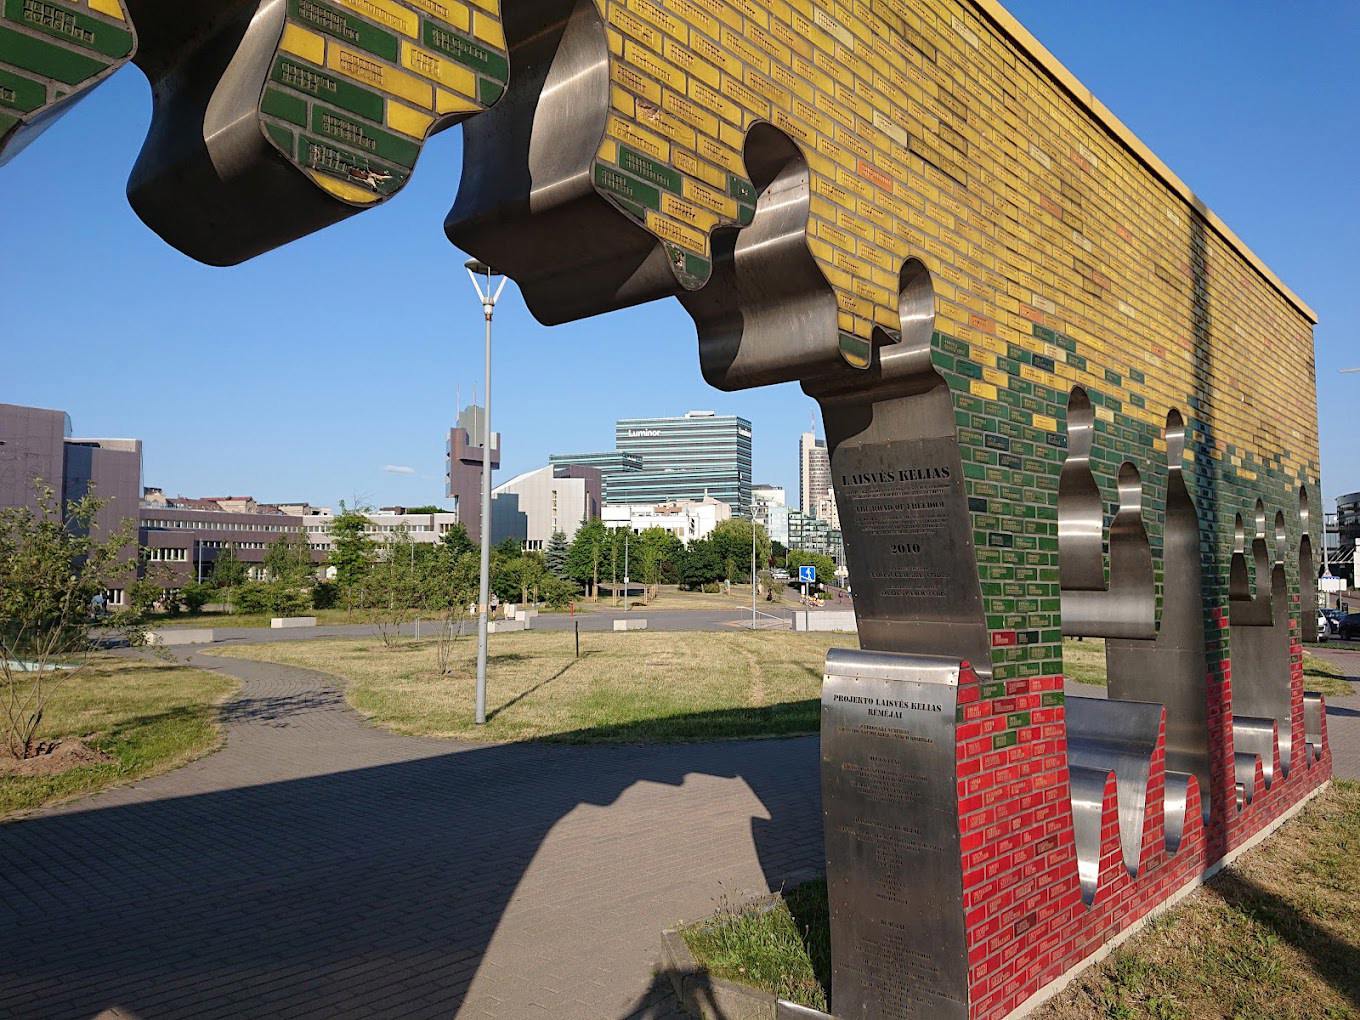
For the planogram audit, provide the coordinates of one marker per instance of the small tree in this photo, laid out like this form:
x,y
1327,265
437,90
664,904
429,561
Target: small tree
x,y
393,588
733,540
455,541
701,564
351,554
658,555
52,568
556,554
228,574
448,583
588,550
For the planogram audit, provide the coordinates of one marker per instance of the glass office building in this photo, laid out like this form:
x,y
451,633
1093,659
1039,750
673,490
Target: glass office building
x,y
696,455
611,464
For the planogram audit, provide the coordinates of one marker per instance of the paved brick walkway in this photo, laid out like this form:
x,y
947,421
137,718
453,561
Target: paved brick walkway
x,y
1343,714
319,866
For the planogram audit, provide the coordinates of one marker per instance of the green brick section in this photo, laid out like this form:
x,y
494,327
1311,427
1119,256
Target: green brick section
x,y
336,125
635,184
50,51
1011,468
342,25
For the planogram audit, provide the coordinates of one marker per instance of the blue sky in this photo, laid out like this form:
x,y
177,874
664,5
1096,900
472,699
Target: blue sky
x,y
303,373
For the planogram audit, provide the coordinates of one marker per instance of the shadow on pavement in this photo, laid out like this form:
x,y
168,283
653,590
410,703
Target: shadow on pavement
x,y
373,891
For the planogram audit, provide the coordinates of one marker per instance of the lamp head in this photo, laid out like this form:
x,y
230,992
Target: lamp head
x,y
480,268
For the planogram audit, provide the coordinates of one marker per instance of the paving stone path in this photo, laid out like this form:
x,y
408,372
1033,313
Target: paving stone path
x,y
1343,713
318,866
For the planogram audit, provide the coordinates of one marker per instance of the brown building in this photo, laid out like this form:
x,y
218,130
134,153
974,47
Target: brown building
x,y
185,541
36,447
463,467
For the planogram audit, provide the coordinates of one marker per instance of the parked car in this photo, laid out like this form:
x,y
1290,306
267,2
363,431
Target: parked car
x,y
1348,627
1324,626
1333,618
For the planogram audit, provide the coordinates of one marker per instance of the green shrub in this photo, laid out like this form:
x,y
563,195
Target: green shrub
x,y
557,592
325,595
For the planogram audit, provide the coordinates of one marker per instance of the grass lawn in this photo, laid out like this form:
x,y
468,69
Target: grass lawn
x,y
1276,935
1084,662
150,716
634,687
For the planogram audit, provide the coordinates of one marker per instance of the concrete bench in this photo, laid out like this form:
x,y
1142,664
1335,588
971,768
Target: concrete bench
x,y
505,626
824,620
525,614
630,624
288,622
182,636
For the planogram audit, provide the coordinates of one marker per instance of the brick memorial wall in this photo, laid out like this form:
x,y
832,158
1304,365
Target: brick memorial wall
x,y
1061,396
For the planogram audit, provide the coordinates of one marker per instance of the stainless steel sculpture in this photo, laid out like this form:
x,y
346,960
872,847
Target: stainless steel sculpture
x,y
815,184
275,118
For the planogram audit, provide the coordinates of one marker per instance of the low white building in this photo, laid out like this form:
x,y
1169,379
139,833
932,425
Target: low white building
x,y
383,526
686,519
531,506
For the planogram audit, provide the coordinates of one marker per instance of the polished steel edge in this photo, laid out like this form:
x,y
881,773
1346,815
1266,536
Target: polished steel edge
x,y
854,663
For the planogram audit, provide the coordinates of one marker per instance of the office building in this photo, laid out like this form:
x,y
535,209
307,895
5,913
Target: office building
x,y
700,454
463,456
550,499
37,445
611,464
686,519
795,530
762,498
814,478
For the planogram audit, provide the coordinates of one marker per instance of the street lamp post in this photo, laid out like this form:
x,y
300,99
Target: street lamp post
x,y
480,273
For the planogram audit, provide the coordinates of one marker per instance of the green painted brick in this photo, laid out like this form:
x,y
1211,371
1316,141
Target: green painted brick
x,y
285,106
39,57
335,91
19,93
649,170
465,51
626,187
344,26
363,137
70,26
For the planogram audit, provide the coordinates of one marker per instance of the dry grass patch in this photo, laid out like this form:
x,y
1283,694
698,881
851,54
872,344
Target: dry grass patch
x,y
633,687
140,717
1277,935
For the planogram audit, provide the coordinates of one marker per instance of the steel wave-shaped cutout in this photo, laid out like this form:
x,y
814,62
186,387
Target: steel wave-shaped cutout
x,y
51,55
1119,740
275,118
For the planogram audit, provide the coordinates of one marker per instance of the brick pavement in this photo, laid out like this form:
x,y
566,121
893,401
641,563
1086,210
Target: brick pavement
x,y
1343,714
319,866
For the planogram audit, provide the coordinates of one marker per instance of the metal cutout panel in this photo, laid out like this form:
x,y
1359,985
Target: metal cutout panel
x,y
890,812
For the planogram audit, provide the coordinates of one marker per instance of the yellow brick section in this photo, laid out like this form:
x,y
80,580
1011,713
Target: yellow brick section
x,y
929,133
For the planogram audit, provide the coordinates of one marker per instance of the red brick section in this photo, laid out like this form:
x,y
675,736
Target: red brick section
x,y
1026,922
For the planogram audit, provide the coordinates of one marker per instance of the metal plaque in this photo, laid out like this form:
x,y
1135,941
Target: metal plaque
x,y
894,873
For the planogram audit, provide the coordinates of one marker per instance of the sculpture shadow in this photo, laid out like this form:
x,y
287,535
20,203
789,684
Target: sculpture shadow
x,y
374,891
1335,960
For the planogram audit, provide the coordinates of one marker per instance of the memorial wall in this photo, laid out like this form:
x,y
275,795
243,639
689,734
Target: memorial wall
x,y
1060,396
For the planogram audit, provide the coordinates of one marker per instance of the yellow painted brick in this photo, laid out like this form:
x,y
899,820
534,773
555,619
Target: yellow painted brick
x,y
448,73
388,14
365,69
408,121
302,43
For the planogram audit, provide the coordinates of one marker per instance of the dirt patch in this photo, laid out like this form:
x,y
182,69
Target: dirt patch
x,y
53,758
